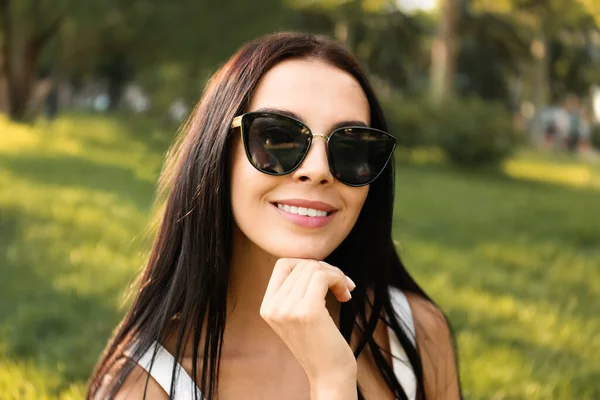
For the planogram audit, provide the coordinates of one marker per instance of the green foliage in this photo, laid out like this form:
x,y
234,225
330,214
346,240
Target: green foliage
x,y
511,258
595,136
473,132
410,120
470,132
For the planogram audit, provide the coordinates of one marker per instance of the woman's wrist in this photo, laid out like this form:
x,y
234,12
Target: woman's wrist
x,y
333,391
341,386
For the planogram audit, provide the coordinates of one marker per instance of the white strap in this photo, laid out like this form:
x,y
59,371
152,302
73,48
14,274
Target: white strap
x,y
161,371
402,368
404,313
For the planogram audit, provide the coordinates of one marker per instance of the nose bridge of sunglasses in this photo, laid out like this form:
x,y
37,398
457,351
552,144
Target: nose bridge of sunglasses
x,y
320,135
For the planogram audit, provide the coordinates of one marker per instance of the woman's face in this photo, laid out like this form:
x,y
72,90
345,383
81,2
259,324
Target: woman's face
x,y
321,96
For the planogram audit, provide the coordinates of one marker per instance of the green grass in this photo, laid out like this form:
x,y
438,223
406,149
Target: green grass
x,y
513,258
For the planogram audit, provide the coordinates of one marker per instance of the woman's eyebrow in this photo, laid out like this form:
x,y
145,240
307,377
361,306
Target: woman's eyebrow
x,y
282,112
291,114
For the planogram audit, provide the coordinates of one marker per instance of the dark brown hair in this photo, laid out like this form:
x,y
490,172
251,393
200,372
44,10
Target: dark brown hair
x,y
187,274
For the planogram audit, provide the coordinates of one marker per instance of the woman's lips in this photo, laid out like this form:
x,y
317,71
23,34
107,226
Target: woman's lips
x,y
305,221
317,205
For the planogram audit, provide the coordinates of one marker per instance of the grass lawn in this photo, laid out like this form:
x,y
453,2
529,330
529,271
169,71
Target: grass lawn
x,y
513,258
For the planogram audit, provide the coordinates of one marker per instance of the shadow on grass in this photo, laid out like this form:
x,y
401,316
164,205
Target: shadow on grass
x,y
77,172
62,330
465,212
503,207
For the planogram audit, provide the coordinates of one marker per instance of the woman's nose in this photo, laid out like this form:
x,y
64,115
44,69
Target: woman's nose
x,y
315,166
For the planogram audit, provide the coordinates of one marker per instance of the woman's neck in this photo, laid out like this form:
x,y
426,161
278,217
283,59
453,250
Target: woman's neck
x,y
251,269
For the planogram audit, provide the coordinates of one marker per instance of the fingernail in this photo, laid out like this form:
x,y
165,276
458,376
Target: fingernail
x,y
348,293
350,283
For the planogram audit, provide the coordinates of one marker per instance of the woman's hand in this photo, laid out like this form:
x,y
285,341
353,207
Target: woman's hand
x,y
294,306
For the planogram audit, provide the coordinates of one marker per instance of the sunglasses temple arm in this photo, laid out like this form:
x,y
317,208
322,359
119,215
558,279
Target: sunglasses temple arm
x,y
237,122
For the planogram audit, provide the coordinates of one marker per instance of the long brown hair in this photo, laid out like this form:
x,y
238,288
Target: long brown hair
x,y
187,274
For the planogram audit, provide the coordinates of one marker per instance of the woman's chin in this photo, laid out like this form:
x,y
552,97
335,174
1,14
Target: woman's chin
x,y
305,253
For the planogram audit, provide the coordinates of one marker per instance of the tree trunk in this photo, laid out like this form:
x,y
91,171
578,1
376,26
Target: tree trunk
x,y
3,89
22,84
3,56
11,76
21,61
443,53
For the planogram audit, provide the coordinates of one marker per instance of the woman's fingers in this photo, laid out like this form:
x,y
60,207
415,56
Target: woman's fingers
x,y
282,269
287,271
303,280
349,282
292,277
324,280
289,283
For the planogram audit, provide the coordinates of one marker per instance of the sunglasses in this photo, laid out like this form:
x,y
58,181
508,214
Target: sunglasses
x,y
276,144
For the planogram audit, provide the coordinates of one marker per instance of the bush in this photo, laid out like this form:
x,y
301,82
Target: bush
x,y
469,132
409,121
474,132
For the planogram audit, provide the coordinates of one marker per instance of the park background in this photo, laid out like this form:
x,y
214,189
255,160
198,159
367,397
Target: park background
x,y
498,220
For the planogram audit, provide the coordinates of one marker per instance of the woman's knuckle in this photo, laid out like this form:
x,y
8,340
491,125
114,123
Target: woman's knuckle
x,y
287,316
270,312
265,313
282,263
305,315
323,274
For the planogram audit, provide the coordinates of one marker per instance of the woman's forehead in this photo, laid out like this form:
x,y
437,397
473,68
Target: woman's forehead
x,y
318,92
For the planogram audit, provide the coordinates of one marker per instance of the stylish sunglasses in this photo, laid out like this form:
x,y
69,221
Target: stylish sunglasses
x,y
277,144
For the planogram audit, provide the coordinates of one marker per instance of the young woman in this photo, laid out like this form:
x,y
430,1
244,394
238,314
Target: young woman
x,y
273,274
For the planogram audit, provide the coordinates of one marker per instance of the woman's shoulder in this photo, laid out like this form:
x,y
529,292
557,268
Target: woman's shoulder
x,y
137,385
434,341
428,317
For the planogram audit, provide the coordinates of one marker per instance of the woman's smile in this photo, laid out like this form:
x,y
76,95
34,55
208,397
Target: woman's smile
x,y
306,213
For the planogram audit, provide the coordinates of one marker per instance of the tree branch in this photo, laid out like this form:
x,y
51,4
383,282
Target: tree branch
x,y
40,38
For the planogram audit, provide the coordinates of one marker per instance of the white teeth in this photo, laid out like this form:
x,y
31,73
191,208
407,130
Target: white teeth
x,y
311,212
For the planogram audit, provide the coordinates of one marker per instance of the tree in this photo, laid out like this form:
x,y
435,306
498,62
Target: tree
x,y
116,39
559,65
443,52
20,57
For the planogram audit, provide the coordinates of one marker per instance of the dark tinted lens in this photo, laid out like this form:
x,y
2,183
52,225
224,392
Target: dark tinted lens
x,y
358,155
274,144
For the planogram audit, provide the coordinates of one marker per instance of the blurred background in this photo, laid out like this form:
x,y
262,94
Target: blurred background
x,y
495,105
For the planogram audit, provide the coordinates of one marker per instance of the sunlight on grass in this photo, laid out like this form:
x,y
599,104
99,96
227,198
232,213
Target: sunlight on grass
x,y
16,137
514,263
24,381
75,199
573,175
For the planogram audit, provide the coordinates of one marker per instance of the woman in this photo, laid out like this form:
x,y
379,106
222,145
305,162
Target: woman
x,y
279,204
